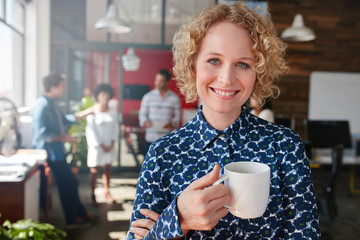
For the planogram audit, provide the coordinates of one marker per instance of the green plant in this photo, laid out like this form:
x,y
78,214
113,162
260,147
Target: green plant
x,y
27,229
78,150
4,235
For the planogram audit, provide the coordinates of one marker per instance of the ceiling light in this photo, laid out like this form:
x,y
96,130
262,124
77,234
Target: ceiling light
x,y
130,61
111,22
298,32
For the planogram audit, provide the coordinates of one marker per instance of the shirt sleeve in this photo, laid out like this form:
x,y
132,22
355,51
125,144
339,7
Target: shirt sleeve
x,y
151,195
144,111
68,120
300,210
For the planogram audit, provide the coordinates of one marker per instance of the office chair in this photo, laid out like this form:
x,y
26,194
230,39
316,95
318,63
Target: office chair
x,y
326,199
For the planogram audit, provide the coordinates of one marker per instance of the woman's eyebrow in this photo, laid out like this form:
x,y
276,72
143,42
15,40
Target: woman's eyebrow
x,y
219,54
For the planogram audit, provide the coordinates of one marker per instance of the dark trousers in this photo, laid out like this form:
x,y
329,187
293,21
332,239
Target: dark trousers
x,y
68,191
43,188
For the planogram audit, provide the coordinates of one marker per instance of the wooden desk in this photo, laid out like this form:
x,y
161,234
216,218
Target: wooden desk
x,y
351,161
326,160
20,190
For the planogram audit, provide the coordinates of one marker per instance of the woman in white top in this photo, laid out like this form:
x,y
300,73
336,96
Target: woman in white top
x,y
101,135
265,111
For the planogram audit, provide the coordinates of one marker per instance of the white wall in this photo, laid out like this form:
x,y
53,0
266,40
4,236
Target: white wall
x,y
335,96
37,48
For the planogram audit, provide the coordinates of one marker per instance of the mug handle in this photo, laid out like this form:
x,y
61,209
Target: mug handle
x,y
217,182
221,179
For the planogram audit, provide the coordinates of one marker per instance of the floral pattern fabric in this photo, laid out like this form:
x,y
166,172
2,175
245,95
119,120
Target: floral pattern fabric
x,y
190,152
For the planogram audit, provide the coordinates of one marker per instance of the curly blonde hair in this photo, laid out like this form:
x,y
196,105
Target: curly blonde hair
x,y
268,49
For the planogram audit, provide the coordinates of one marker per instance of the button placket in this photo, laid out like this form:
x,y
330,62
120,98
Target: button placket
x,y
223,149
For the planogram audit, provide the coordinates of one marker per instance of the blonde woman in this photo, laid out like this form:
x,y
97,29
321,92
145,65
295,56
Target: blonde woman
x,y
224,56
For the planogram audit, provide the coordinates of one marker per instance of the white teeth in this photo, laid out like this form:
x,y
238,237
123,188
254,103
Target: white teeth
x,y
224,93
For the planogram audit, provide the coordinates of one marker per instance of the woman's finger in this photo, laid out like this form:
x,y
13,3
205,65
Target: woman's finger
x,y
143,223
216,191
138,236
150,214
141,232
141,227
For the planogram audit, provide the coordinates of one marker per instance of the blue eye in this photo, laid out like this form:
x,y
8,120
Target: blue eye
x,y
243,65
213,61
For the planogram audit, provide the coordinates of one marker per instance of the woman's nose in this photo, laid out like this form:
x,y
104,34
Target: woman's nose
x,y
227,75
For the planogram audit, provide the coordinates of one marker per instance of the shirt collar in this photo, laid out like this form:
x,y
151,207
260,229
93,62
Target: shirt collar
x,y
49,99
158,92
236,132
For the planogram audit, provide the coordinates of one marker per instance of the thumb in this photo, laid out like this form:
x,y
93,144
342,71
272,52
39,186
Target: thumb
x,y
206,180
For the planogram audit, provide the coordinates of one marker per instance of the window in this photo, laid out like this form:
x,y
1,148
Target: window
x,y
15,14
260,6
2,9
12,51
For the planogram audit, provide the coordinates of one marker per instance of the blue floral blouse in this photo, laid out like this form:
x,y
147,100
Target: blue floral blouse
x,y
191,152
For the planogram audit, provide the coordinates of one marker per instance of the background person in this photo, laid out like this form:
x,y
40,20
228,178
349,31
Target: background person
x,y
160,110
101,135
224,56
262,111
50,132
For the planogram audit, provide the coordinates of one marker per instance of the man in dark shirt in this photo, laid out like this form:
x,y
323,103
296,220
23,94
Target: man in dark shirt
x,y
50,132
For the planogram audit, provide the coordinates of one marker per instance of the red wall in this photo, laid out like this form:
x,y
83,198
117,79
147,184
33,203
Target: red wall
x,y
151,62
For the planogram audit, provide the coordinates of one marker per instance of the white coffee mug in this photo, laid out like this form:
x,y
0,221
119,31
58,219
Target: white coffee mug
x,y
248,184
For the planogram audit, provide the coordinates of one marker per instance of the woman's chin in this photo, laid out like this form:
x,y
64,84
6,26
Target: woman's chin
x,y
224,110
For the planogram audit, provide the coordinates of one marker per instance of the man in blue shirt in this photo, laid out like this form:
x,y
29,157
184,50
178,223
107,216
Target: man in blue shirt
x,y
50,132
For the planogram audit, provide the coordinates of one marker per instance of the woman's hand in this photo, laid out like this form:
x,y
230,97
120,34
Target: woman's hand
x,y
201,205
107,148
141,227
104,148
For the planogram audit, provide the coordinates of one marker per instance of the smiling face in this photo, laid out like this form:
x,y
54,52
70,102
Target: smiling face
x,y
224,72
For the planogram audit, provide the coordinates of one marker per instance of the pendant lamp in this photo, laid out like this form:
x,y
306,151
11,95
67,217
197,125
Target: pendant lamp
x,y
112,22
130,61
298,32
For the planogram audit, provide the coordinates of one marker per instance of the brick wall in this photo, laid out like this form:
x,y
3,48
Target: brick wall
x,y
336,48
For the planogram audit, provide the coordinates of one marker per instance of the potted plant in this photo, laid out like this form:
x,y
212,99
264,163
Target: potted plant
x,y
77,150
27,229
